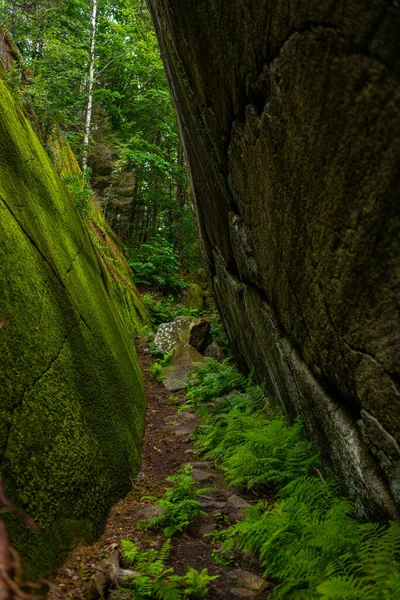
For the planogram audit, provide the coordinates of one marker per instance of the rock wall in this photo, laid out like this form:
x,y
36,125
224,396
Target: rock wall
x,y
108,246
72,400
290,115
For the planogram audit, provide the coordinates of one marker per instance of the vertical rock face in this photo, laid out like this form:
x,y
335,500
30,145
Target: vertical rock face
x,y
71,395
290,114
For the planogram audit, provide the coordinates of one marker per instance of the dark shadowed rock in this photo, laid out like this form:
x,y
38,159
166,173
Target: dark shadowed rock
x,y
151,512
215,352
200,336
290,116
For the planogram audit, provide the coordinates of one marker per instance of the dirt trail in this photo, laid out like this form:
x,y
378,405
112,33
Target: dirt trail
x,y
166,448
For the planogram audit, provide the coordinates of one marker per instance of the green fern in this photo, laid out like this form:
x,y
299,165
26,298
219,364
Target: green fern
x,y
155,580
194,584
307,540
179,504
212,380
373,573
253,444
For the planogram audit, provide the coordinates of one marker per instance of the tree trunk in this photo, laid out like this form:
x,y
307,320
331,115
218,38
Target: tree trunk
x,y
91,86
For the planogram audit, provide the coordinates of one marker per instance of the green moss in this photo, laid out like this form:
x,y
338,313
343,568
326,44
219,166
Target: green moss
x,y
106,244
194,296
72,410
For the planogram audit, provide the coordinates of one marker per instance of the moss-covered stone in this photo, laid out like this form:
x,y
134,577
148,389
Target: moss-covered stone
x,y
290,118
72,399
194,296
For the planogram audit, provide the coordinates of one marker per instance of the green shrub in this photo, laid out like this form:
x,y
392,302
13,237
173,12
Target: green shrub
x,y
155,580
309,542
156,264
164,310
179,503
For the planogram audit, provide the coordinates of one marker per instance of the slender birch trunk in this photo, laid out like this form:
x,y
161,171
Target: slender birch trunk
x,y
85,150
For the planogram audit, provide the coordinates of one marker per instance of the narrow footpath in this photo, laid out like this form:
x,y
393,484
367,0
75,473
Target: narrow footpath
x,y
167,447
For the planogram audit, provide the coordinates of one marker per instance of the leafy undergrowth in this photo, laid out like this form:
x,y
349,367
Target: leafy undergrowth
x,y
307,539
163,309
155,580
213,379
179,505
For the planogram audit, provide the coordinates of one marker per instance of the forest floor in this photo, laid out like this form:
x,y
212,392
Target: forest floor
x,y
166,447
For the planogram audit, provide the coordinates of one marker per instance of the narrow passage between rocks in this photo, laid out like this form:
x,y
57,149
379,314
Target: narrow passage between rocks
x,y
93,572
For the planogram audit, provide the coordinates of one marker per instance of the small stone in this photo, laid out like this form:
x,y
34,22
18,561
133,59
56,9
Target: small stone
x,y
235,506
151,512
242,593
180,430
202,463
210,503
124,576
250,558
191,451
247,579
113,557
236,503
179,418
201,476
206,529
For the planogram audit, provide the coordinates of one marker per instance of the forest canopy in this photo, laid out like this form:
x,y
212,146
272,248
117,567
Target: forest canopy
x,y
102,55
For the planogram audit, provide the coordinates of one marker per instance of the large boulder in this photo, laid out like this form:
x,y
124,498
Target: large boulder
x,y
290,115
72,399
181,331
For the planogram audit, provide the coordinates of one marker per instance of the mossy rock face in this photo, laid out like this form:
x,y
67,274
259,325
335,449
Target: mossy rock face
x,y
72,399
290,115
194,296
107,245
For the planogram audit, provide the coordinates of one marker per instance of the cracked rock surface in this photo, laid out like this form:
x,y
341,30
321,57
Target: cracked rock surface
x,y
290,118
